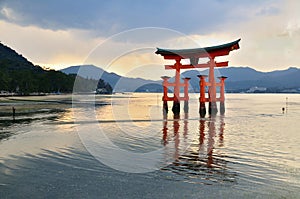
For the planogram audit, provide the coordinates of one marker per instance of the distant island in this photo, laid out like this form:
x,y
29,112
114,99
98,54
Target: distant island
x,y
18,76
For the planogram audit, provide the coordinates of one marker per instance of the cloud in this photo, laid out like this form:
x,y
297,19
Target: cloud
x,y
268,10
110,17
271,41
57,49
8,14
62,33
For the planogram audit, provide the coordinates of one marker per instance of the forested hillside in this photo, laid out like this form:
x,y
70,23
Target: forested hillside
x,y
18,75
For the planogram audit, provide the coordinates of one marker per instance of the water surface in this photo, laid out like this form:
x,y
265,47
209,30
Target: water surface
x,y
251,152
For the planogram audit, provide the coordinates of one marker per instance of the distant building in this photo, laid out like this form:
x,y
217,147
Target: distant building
x,y
256,89
290,91
102,91
6,93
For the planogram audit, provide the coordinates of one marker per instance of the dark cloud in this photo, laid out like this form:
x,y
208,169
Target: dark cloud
x,y
108,17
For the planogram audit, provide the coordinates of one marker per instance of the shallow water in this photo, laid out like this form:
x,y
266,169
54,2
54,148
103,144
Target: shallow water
x,y
128,149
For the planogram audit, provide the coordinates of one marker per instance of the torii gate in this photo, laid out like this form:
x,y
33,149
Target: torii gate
x,y
193,55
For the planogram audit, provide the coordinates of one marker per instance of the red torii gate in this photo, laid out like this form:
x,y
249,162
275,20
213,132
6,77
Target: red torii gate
x,y
193,55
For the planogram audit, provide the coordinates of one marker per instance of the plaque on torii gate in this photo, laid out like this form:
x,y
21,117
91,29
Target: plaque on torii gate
x,y
193,55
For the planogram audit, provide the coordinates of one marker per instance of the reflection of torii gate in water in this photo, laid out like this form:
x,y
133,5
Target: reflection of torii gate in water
x,y
191,161
193,55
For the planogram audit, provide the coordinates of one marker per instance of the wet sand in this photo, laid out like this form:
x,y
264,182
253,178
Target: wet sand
x,y
34,103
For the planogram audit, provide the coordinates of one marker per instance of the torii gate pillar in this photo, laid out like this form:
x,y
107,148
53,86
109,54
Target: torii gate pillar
x,y
222,94
212,91
202,99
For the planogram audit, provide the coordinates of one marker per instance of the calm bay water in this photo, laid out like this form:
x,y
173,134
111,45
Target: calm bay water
x,y
251,152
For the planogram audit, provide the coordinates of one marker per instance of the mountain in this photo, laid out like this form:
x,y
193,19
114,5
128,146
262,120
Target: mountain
x,y
20,76
241,79
119,83
11,60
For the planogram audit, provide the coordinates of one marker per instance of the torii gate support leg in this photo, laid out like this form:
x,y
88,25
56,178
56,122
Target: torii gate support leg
x,y
212,108
186,94
202,109
165,96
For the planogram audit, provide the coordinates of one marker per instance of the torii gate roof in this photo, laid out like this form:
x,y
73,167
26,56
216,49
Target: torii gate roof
x,y
212,51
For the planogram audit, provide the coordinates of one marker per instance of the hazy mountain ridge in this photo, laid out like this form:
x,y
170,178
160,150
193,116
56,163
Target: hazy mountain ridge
x,y
18,75
240,79
118,82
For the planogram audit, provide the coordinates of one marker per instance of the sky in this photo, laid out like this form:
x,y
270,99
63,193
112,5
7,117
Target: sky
x,y
121,36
